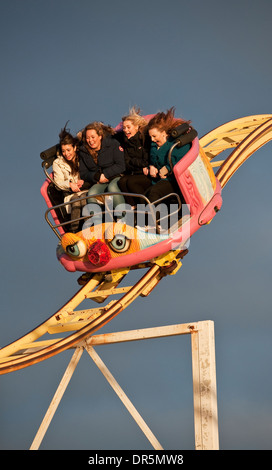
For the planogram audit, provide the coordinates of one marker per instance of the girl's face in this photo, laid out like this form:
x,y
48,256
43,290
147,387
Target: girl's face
x,y
68,151
93,139
157,136
129,129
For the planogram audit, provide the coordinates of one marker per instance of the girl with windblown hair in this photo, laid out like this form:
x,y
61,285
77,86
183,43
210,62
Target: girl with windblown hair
x,y
136,144
163,180
67,177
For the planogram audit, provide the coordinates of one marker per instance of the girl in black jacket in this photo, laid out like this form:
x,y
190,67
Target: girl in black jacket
x,y
136,144
101,161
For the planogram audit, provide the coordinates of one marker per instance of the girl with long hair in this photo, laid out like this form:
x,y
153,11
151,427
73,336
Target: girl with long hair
x,y
136,143
159,128
101,161
67,176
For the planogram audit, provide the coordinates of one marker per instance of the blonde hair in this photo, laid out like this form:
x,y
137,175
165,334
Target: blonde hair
x,y
135,117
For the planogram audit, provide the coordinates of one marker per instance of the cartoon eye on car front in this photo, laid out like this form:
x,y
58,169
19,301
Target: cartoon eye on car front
x,y
99,244
77,249
120,243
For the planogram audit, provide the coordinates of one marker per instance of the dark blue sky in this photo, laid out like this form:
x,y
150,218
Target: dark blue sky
x,y
82,61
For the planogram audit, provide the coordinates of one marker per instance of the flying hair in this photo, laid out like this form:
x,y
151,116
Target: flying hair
x,y
136,118
66,138
166,121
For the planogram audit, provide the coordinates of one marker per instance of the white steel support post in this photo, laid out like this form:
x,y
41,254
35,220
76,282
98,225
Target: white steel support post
x,y
204,387
123,397
204,379
56,399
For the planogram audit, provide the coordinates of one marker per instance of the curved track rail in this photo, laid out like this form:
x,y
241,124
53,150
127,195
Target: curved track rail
x,y
245,135
240,138
77,325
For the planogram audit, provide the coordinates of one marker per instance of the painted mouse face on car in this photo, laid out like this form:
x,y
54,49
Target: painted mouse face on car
x,y
101,243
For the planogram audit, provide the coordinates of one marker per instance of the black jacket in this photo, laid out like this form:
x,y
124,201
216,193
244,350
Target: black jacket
x,y
110,161
136,151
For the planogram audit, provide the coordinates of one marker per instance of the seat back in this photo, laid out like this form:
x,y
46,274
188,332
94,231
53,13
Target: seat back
x,y
197,181
45,190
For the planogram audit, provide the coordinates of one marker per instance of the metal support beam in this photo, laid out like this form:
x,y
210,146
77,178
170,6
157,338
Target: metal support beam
x,y
204,387
204,379
123,397
56,399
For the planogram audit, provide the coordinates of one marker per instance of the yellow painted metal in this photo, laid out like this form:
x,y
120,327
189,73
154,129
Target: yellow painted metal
x,y
41,330
230,134
166,258
76,325
239,138
255,140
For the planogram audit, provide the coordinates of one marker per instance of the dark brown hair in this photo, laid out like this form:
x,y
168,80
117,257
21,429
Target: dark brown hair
x,y
66,138
166,121
101,130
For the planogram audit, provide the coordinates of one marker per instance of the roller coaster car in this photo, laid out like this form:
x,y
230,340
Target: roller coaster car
x,y
114,245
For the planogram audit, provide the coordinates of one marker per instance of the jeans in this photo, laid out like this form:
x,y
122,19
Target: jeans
x,y
101,188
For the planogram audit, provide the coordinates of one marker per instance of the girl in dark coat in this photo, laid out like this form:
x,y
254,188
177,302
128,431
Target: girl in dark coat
x,y
163,180
101,161
136,144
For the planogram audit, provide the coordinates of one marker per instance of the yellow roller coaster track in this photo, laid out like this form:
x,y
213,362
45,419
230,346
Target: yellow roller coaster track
x,y
245,135
68,327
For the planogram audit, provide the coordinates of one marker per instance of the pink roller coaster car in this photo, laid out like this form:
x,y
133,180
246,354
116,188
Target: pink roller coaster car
x,y
116,245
